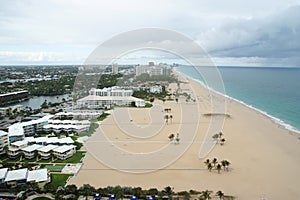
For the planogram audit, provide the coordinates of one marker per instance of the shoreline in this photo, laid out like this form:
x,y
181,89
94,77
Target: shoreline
x,y
281,123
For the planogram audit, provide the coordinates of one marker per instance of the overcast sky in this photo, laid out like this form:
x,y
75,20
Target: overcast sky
x,y
233,32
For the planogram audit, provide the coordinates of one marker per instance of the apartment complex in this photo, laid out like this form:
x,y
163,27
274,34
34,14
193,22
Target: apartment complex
x,y
42,146
75,126
28,128
153,70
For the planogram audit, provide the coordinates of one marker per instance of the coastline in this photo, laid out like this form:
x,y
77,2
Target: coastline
x,y
279,122
264,158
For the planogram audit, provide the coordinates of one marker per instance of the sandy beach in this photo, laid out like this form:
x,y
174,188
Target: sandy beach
x,y
131,148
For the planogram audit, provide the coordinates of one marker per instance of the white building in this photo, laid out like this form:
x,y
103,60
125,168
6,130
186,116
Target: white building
x,y
152,70
3,141
64,152
82,114
14,149
108,97
112,91
3,172
45,152
16,177
38,176
30,151
156,89
17,131
141,69
21,176
76,126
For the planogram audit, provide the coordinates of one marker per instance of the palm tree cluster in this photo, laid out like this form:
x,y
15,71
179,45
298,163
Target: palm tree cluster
x,y
219,138
206,194
167,110
173,138
167,117
214,164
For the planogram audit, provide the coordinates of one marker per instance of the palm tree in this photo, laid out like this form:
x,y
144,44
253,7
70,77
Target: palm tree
x,y
177,138
220,134
171,117
220,194
215,161
227,164
223,163
219,167
205,195
222,141
171,137
207,161
167,118
209,166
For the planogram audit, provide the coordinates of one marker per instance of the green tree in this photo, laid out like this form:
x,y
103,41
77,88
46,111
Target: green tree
x,y
71,189
86,190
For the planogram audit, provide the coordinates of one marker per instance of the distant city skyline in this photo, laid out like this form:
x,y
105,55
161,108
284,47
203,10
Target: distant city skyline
x,y
234,33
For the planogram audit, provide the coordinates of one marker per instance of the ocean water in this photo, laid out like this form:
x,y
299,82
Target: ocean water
x,y
273,91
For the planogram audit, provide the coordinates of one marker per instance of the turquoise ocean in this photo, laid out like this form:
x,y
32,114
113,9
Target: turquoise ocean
x,y
274,91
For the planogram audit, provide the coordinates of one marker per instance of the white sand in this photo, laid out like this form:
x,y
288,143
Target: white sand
x,y
265,157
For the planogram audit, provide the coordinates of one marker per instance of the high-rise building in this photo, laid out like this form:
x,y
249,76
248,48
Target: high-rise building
x,y
114,68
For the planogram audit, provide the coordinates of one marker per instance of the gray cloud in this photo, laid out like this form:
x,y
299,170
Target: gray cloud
x,y
232,30
275,36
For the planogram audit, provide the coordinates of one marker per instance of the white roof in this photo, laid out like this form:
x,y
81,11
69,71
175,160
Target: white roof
x,y
52,140
3,133
3,172
39,175
15,130
69,122
64,148
77,113
18,174
19,143
36,121
41,139
47,148
62,126
66,140
32,148
49,140
29,139
109,98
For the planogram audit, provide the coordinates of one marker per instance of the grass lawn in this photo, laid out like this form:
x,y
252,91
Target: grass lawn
x,y
59,179
54,168
103,116
74,159
46,161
